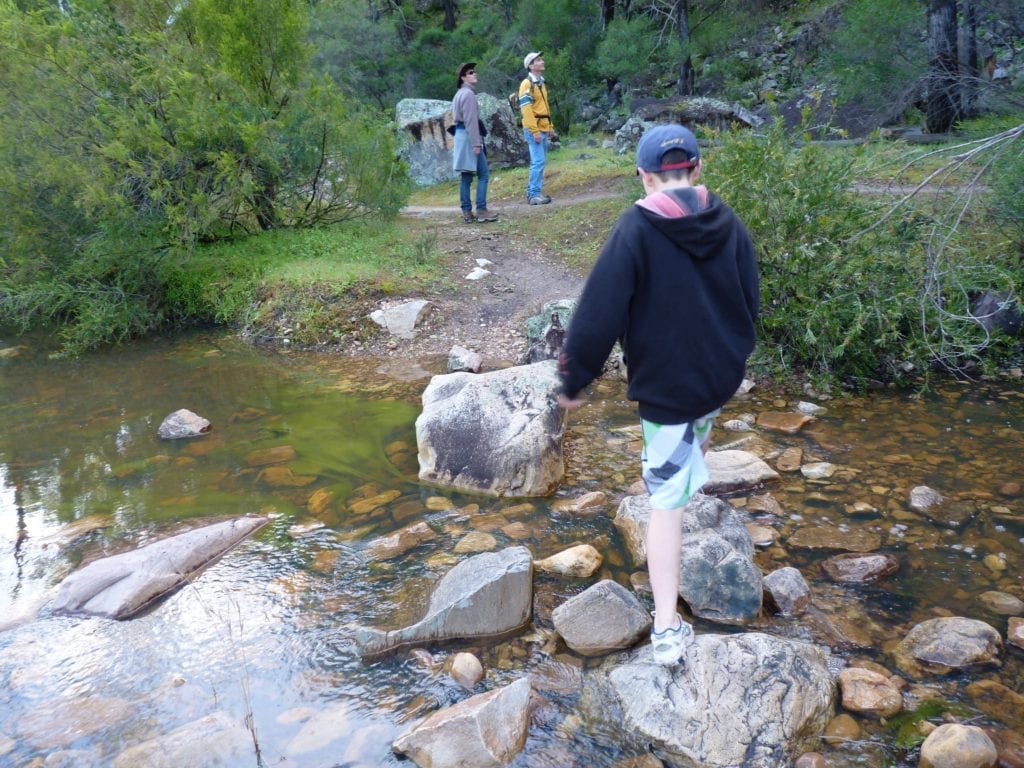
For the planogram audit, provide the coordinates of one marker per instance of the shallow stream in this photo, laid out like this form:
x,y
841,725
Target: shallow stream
x,y
264,634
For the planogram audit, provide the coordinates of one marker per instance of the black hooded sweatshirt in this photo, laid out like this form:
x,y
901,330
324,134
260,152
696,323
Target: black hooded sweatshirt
x,y
679,291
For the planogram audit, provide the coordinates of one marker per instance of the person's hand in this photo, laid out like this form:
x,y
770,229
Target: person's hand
x,y
553,136
477,150
565,402
537,137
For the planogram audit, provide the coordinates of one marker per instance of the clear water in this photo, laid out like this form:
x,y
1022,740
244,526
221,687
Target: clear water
x,y
264,633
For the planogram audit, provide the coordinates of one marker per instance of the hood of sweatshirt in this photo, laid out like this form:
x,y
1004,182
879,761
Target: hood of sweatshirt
x,y
693,218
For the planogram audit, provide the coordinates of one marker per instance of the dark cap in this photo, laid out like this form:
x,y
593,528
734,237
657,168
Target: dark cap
x,y
664,138
463,68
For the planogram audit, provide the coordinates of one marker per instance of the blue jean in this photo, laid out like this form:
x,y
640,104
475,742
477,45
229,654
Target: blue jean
x,y
538,159
483,175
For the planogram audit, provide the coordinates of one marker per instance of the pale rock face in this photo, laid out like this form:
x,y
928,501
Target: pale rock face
x,y
747,699
580,561
121,586
603,618
498,433
484,596
485,731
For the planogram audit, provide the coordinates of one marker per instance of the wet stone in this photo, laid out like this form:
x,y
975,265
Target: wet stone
x,y
1009,745
765,503
831,537
277,455
1015,632
789,422
855,568
841,729
283,477
1002,603
476,541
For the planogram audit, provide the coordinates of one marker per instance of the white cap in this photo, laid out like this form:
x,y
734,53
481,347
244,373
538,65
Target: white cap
x,y
528,59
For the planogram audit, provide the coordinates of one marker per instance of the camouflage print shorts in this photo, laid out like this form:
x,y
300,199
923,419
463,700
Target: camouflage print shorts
x,y
673,460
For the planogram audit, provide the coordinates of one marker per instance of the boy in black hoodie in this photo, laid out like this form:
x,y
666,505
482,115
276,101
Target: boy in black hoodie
x,y
676,284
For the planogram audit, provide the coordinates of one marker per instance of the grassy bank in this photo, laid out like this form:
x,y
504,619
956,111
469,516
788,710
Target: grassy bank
x,y
851,288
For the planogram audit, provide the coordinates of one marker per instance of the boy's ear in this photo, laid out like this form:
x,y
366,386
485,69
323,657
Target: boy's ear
x,y
695,174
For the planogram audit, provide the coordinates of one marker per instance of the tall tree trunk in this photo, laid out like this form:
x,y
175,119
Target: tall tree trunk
x,y
449,15
685,85
607,12
969,57
943,64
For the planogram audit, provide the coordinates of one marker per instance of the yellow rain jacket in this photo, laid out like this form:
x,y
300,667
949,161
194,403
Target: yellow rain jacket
x,y
533,103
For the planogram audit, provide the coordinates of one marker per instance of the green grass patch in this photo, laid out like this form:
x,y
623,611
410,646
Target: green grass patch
x,y
302,281
576,233
572,170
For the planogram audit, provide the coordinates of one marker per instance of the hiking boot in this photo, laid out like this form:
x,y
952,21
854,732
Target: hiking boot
x,y
468,217
539,200
667,647
484,216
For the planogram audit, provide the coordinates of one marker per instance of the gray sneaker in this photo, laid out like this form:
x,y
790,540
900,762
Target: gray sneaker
x,y
667,646
539,200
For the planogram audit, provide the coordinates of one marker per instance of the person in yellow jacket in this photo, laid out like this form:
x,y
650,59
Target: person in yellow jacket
x,y
538,129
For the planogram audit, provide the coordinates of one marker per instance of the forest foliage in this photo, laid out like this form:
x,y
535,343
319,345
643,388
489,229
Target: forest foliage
x,y
138,137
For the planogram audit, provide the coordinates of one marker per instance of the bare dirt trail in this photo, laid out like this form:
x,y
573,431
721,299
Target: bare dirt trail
x,y
487,315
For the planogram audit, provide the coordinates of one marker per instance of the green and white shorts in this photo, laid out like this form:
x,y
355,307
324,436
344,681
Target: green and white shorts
x,y
673,460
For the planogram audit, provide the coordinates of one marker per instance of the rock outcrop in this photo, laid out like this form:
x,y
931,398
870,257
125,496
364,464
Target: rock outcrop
x,y
498,433
749,699
486,595
121,586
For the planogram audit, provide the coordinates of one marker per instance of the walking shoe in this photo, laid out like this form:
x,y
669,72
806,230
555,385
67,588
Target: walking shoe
x,y
483,215
468,217
539,200
667,646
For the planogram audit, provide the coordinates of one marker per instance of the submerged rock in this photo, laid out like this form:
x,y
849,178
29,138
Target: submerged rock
x,y
214,740
944,644
121,586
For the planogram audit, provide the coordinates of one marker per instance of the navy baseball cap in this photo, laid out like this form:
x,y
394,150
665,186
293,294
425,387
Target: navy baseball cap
x,y
664,138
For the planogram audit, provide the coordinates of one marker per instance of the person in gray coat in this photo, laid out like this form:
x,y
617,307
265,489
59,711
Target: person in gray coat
x,y
470,154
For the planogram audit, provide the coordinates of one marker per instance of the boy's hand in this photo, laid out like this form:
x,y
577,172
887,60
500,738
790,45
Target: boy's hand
x,y
565,402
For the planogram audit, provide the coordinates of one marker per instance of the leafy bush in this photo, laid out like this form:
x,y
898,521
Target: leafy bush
x,y
131,138
878,52
830,303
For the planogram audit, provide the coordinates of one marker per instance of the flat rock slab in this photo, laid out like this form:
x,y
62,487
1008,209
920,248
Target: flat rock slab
x,y
121,586
733,470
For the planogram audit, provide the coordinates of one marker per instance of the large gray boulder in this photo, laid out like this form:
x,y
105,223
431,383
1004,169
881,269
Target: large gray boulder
x,y
426,146
484,596
121,586
738,700
498,433
719,579
484,731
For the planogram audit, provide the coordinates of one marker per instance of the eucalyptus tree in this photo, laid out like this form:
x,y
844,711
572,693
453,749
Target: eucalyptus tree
x,y
132,130
943,78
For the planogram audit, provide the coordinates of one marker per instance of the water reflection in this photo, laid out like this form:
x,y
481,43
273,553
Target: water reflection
x,y
263,634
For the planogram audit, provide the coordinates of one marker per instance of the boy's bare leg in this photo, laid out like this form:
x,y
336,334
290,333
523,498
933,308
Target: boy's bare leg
x,y
664,545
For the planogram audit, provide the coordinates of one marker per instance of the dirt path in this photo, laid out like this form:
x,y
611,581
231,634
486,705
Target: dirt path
x,y
487,315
